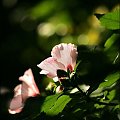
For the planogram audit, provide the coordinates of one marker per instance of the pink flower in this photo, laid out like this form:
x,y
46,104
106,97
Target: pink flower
x,y
63,57
23,91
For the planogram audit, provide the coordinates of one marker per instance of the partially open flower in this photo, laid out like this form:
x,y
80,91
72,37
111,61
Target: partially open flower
x,y
63,58
23,91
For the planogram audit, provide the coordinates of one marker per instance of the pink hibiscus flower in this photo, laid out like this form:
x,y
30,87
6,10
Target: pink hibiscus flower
x,y
63,57
23,91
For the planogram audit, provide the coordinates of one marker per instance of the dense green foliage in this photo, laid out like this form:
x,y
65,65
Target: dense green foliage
x,y
45,24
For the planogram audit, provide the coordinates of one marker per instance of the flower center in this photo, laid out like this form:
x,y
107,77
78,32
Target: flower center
x,y
70,68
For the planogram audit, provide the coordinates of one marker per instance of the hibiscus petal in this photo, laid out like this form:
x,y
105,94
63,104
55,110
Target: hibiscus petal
x,y
65,54
50,66
17,90
29,86
16,104
47,73
44,72
23,91
56,79
74,54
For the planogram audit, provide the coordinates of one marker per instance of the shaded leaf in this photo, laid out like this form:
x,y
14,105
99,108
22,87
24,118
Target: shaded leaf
x,y
62,73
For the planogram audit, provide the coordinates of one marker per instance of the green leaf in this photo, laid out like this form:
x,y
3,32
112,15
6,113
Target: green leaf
x,y
49,102
111,95
110,41
59,105
110,80
111,20
54,104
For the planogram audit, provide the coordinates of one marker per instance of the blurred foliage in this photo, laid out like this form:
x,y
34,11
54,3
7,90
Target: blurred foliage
x,y
29,30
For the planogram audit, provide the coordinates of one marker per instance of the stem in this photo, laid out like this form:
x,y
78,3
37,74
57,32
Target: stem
x,y
81,91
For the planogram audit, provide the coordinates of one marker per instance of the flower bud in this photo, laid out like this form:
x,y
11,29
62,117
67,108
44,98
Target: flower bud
x,y
59,89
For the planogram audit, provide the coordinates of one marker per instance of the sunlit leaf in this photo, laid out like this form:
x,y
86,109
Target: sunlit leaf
x,y
111,94
110,80
59,105
54,104
111,20
49,102
110,41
